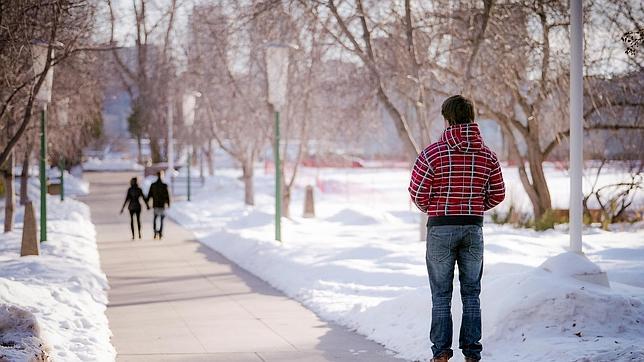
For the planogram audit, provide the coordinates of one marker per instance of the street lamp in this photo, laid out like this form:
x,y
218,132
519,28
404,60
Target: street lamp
x,y
63,118
39,52
188,108
576,125
277,72
585,270
170,144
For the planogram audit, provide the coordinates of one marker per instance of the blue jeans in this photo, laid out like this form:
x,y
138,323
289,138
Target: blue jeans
x,y
447,245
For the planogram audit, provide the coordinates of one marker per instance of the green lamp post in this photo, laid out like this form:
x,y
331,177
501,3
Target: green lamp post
x,y
188,107
277,73
63,118
39,52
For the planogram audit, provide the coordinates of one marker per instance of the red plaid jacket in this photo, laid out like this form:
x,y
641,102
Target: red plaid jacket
x,y
457,175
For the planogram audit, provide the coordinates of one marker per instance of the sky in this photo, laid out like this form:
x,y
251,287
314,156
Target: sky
x,y
604,51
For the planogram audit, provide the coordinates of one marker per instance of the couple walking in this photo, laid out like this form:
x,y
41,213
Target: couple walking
x,y
160,198
454,181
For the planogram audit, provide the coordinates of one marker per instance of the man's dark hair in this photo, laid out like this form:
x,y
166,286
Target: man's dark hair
x,y
458,110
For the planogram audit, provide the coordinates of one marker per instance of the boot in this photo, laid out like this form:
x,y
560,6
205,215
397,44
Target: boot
x,y
441,358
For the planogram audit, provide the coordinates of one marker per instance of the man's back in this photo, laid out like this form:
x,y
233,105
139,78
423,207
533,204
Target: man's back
x,y
454,181
159,194
458,175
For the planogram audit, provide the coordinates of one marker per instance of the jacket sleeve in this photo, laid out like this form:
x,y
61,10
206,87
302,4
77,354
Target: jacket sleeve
x,y
127,199
420,185
495,187
145,199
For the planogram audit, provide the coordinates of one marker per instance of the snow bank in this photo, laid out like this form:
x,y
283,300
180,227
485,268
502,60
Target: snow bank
x,y
365,270
64,287
20,336
352,217
570,264
559,185
111,164
74,186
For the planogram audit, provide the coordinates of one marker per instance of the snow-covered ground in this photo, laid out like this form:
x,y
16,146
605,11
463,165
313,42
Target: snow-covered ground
x,y
64,287
74,186
359,263
111,163
559,185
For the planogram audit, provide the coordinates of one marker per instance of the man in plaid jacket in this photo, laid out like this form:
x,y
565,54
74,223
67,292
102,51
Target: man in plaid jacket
x,y
454,181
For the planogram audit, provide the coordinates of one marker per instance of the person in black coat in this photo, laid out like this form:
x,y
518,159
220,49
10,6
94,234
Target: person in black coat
x,y
134,193
160,198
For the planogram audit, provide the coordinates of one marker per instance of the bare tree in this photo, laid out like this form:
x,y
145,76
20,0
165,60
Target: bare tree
x,y
232,109
499,53
22,22
148,75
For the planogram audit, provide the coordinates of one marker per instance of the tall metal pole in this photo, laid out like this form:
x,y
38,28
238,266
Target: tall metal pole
x,y
189,162
278,181
576,124
62,178
170,145
43,176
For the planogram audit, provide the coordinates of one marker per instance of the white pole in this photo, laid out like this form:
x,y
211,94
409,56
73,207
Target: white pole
x,y
168,177
576,124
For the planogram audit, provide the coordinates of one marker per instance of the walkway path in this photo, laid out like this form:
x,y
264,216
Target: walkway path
x,y
177,300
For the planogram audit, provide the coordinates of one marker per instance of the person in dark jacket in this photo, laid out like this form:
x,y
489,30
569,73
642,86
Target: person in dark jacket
x,y
134,193
160,198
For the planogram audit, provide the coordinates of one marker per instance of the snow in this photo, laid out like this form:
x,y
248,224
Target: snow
x,y
20,339
559,185
111,163
63,288
569,264
74,186
359,264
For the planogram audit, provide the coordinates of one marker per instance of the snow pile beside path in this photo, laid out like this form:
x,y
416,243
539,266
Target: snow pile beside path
x,y
575,320
74,186
20,336
111,164
353,217
64,287
371,276
570,264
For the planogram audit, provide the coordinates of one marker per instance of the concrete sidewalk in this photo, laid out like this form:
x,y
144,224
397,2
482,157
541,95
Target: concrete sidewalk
x,y
177,300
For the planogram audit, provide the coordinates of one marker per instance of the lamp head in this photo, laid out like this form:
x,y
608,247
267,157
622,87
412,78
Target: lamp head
x,y
188,107
39,50
277,60
63,111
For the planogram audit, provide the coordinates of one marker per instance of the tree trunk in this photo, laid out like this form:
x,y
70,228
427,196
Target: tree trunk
x,y
286,203
24,175
247,177
529,189
210,158
10,198
139,150
201,162
422,226
535,184
400,123
543,202
155,150
286,196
